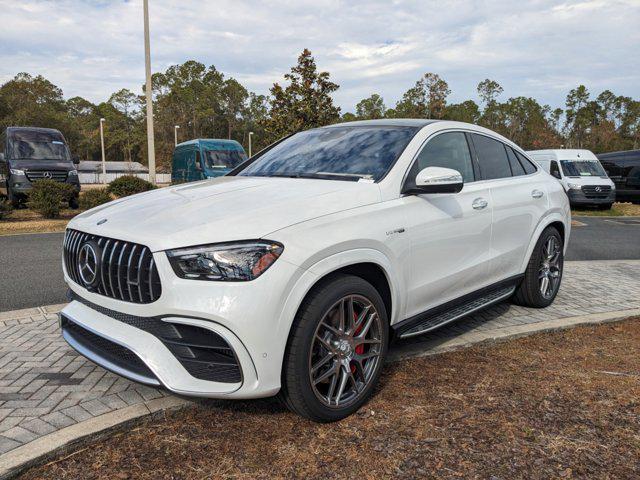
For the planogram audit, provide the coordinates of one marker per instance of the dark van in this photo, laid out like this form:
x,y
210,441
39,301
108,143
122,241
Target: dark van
x,y
205,158
624,169
29,154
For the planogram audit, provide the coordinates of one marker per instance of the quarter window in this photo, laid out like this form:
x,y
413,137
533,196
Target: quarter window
x,y
528,166
449,150
516,167
492,157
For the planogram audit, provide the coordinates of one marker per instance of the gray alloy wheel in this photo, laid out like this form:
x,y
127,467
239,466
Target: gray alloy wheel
x,y
550,267
543,275
346,349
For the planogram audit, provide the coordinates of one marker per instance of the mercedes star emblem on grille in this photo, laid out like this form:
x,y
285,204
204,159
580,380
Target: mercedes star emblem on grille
x,y
598,189
47,175
89,264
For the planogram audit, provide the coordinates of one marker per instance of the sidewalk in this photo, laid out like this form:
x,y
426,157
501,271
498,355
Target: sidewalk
x,y
50,396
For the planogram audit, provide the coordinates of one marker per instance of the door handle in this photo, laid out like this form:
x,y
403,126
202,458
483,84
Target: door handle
x,y
479,203
537,193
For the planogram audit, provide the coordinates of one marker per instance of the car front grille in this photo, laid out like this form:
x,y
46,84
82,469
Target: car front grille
x,y
596,191
202,353
57,175
126,271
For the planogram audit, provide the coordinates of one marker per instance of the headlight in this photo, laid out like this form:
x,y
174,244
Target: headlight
x,y
73,173
15,171
233,262
574,186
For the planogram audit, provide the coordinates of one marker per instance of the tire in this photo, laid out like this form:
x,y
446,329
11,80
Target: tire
x,y
73,203
314,338
529,293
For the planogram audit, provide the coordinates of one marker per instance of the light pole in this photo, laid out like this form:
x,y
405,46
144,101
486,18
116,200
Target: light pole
x,y
147,63
250,135
104,165
175,134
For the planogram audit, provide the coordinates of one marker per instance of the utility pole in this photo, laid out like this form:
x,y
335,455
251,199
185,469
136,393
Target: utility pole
x,y
104,165
250,135
175,134
147,61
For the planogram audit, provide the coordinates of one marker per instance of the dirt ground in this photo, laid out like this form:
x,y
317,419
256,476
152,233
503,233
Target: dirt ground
x,y
560,405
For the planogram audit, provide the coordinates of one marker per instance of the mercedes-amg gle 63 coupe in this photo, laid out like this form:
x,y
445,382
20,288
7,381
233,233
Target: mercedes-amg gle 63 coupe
x,y
292,274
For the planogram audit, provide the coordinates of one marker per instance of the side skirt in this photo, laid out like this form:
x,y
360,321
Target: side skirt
x,y
455,309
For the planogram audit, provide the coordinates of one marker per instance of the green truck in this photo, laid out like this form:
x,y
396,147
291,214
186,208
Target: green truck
x,y
205,158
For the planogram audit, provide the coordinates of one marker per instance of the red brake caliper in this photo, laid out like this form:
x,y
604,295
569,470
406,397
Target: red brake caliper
x,y
359,348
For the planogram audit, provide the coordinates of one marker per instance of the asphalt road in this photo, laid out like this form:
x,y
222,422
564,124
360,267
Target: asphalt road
x,y
31,270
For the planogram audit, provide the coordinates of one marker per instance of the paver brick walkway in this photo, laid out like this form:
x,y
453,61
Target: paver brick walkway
x,y
45,386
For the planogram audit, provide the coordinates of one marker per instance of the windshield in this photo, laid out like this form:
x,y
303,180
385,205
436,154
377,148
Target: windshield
x,y
340,153
224,158
34,145
582,168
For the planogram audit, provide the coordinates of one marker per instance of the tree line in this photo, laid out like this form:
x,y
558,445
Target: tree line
x,y
207,104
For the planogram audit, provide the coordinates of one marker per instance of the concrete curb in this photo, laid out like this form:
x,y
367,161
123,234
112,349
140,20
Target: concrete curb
x,y
14,462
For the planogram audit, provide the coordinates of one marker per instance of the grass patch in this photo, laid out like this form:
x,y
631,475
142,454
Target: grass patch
x,y
28,221
554,405
617,210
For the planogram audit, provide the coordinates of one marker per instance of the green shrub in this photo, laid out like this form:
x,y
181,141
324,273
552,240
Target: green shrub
x,y
129,185
47,197
5,207
93,198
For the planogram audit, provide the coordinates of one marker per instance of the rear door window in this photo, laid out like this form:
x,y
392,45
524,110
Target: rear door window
x,y
492,157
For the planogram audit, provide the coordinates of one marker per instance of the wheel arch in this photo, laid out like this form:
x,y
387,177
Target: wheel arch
x,y
554,219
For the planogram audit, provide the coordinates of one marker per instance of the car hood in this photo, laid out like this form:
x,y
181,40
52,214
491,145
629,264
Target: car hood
x,y
222,209
589,180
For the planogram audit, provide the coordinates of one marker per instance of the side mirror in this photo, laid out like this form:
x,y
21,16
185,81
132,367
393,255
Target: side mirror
x,y
198,165
1,157
75,159
437,180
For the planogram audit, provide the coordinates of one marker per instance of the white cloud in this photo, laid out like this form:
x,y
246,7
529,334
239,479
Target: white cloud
x,y
540,48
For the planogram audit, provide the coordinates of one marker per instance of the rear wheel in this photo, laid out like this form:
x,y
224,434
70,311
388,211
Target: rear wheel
x,y
544,272
13,199
336,350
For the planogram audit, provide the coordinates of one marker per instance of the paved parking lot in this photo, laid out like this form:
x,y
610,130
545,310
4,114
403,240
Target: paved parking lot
x,y
32,270
45,386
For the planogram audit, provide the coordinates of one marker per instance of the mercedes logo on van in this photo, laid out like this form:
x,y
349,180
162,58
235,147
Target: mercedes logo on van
x,y
89,264
598,189
47,175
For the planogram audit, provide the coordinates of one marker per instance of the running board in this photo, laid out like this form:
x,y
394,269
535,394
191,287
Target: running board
x,y
431,321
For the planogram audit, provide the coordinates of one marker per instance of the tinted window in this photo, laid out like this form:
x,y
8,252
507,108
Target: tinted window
x,y
492,157
343,153
528,166
449,150
516,167
224,158
37,145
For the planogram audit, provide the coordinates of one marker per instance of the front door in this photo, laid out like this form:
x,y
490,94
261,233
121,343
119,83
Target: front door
x,y
450,233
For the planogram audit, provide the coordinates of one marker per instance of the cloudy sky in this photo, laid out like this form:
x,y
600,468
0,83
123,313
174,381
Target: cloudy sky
x,y
539,48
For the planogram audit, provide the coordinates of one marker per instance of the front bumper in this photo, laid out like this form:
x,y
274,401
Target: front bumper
x,y
577,197
21,186
249,316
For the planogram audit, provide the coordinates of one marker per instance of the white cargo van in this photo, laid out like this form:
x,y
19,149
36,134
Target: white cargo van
x,y
581,175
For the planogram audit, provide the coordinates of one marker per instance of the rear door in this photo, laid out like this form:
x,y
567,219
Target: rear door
x,y
519,199
450,233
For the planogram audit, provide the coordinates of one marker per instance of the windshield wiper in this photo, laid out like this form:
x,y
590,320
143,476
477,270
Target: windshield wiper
x,y
351,177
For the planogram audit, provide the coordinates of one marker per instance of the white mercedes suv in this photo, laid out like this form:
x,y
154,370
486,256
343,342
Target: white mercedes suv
x,y
292,273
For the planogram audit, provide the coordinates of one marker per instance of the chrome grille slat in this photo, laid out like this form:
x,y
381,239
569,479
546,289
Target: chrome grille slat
x,y
125,267
56,175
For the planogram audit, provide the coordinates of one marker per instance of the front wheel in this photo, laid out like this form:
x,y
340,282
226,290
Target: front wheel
x,y
544,272
336,350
